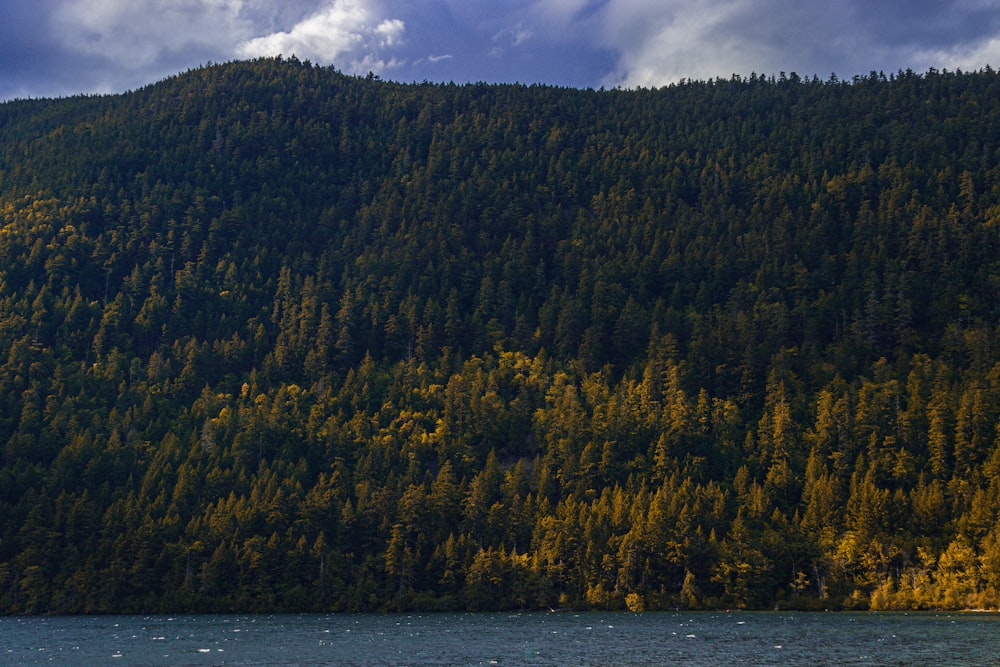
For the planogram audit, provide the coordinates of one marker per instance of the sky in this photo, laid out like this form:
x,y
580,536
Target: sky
x,y
65,47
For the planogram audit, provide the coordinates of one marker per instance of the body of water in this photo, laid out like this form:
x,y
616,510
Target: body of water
x,y
563,638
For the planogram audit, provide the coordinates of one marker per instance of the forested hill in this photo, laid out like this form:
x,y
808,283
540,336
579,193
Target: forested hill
x,y
276,338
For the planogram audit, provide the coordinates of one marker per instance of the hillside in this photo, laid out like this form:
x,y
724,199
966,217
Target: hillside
x,y
276,338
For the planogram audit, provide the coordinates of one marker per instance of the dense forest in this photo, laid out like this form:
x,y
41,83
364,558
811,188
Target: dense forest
x,y
277,338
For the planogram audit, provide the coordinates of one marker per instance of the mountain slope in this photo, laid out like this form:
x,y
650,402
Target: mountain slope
x,y
278,338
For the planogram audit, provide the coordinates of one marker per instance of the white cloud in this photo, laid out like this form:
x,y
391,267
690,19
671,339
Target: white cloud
x,y
347,33
661,41
510,37
135,34
965,58
390,32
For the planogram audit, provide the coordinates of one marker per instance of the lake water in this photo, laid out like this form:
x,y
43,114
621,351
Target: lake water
x,y
563,638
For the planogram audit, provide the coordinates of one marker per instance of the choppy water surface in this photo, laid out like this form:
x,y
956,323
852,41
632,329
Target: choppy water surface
x,y
564,638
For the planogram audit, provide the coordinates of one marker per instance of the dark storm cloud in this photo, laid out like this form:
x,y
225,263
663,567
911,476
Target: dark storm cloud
x,y
31,59
928,24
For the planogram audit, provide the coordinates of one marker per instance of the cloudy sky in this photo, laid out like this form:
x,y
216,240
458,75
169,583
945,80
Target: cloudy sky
x,y
61,47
